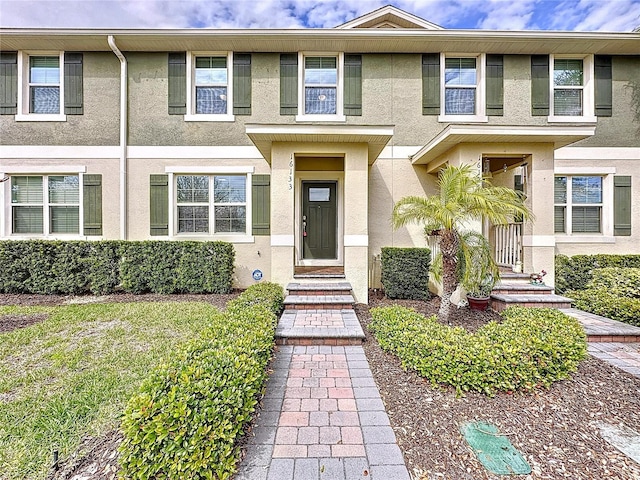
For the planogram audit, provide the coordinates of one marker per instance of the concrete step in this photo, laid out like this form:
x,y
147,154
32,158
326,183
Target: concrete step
x,y
318,327
511,277
318,302
603,329
499,301
316,288
521,289
318,276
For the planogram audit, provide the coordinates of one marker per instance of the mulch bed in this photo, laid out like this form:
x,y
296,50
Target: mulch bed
x,y
553,429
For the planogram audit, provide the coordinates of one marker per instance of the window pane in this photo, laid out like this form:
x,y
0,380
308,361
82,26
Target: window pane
x,y
193,219
44,70
193,188
27,219
320,71
230,219
586,189
64,219
567,72
460,101
211,70
26,190
318,194
559,219
64,189
460,71
229,189
44,100
211,100
567,102
585,219
320,100
560,190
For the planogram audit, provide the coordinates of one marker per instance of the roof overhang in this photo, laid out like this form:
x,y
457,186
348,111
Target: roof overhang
x,y
360,40
453,135
376,137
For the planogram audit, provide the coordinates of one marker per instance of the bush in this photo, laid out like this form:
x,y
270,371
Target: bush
x,y
532,348
574,273
602,302
405,272
623,282
188,416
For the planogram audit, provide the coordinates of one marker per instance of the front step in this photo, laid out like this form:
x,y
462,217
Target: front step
x,y
299,289
319,302
521,289
499,302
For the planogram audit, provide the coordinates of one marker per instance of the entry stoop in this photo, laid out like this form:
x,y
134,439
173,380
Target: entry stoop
x,y
319,314
506,294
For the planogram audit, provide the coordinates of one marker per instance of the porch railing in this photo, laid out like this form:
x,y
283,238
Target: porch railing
x,y
507,241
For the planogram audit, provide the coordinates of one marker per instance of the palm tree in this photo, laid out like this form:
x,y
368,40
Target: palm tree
x,y
463,197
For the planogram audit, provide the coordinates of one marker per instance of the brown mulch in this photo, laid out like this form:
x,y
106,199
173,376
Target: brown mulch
x,y
553,429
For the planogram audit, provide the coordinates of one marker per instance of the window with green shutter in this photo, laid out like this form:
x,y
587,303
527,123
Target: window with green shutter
x,y
622,205
177,83
73,88
539,85
159,205
288,84
242,84
431,84
578,204
495,85
261,204
8,83
92,204
353,85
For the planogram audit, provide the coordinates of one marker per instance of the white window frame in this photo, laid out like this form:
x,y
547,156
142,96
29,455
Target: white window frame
x,y
233,237
481,92
339,115
23,114
588,91
191,115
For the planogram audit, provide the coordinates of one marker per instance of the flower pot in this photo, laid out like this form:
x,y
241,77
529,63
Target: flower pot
x,y
478,303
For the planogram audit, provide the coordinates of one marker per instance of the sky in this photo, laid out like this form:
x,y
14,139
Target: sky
x,y
567,15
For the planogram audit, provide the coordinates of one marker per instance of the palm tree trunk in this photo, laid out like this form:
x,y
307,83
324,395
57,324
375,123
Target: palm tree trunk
x,y
449,249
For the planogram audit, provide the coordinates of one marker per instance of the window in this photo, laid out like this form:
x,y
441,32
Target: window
x,y
578,204
461,87
45,204
209,87
211,204
320,85
460,81
568,84
44,84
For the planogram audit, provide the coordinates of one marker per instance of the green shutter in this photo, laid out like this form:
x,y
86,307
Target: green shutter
x,y
92,204
353,85
8,83
495,85
260,204
73,83
159,205
242,84
622,205
177,82
604,93
288,84
431,84
540,85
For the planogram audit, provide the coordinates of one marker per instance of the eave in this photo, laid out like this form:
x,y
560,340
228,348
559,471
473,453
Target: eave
x,y
263,136
355,40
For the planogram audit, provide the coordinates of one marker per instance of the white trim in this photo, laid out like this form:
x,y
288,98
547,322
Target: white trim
x,y
576,119
561,170
582,238
339,115
203,117
195,152
539,240
588,91
191,115
480,97
44,169
282,241
59,151
597,153
36,117
208,170
356,240
206,237
23,114
386,11
338,130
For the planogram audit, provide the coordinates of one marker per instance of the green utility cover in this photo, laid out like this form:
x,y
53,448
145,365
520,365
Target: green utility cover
x,y
493,450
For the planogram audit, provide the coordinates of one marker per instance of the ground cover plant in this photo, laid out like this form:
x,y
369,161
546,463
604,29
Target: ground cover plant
x,y
71,374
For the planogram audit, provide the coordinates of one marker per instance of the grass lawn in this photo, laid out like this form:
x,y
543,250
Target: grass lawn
x,y
72,374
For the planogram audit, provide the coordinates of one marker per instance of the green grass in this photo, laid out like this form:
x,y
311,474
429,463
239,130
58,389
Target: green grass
x,y
71,375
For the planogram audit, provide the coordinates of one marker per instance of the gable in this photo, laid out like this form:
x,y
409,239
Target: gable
x,y
389,17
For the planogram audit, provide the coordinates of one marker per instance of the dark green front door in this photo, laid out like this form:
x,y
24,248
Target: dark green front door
x,y
319,220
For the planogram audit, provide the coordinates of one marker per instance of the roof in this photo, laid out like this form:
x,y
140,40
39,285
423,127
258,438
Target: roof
x,y
389,17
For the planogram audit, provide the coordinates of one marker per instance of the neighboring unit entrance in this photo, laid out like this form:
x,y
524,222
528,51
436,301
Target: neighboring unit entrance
x,y
319,220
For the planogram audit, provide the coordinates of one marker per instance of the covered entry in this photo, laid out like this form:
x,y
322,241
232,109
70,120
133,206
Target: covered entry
x,y
319,220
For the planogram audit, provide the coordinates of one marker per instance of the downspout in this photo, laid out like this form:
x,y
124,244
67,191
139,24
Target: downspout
x,y
123,136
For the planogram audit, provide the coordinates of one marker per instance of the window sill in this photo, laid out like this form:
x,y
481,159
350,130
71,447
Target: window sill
x,y
321,118
35,117
189,117
231,238
585,239
463,118
576,119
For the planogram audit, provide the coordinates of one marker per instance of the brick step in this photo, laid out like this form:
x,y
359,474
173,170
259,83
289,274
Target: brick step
x,y
519,278
521,289
302,289
613,338
309,341
499,302
318,302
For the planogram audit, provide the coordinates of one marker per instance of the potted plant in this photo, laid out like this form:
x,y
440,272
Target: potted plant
x,y
478,271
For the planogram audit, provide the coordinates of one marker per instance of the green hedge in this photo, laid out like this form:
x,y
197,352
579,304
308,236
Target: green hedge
x,y
603,302
574,273
623,282
75,267
532,348
188,417
405,272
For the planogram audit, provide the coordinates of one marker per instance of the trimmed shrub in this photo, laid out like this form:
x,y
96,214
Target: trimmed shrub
x,y
623,282
405,272
532,348
574,273
602,302
188,416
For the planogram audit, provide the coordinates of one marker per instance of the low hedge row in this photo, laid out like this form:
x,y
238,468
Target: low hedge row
x,y
531,348
405,272
75,267
574,273
603,302
623,282
188,416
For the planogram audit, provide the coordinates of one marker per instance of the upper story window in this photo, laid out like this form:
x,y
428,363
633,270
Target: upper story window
x,y
320,85
578,204
568,85
44,84
209,87
460,86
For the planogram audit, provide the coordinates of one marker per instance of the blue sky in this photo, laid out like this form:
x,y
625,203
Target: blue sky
x,y
571,15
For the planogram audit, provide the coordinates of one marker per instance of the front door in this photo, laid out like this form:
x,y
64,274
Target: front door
x,y
319,220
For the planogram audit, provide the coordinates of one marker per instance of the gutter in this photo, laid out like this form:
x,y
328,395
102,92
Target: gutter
x,y
123,136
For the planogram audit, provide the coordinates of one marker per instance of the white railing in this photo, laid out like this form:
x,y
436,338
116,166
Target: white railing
x,y
507,241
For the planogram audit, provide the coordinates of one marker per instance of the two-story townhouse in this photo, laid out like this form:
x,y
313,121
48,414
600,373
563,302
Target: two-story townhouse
x,y
294,145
